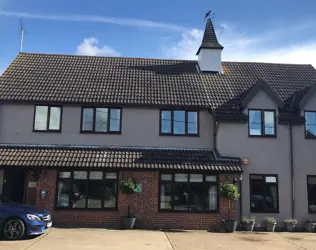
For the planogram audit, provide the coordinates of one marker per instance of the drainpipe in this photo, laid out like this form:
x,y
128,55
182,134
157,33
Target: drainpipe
x,y
292,169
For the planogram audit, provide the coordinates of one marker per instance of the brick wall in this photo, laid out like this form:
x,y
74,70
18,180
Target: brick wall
x,y
143,205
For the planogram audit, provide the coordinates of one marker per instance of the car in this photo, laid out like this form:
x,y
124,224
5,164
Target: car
x,y
18,220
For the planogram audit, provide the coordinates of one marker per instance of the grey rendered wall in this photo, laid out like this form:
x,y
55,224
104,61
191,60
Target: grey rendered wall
x,y
305,164
266,156
140,127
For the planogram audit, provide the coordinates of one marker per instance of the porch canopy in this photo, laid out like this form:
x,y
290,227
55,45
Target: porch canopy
x,y
107,157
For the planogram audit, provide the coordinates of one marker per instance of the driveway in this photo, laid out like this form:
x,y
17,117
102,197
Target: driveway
x,y
79,239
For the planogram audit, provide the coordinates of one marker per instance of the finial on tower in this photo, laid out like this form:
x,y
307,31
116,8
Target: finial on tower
x,y
209,15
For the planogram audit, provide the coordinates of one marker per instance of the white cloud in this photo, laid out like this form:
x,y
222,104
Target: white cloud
x,y
98,19
239,46
89,47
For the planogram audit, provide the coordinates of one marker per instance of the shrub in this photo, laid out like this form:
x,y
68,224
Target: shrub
x,y
291,221
270,220
229,191
246,220
128,186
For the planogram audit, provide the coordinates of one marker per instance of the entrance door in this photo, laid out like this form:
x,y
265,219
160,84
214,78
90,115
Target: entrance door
x,y
13,185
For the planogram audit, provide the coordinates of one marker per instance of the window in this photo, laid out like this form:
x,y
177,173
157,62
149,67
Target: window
x,y
262,123
311,193
188,192
264,194
179,122
310,124
86,190
47,118
101,120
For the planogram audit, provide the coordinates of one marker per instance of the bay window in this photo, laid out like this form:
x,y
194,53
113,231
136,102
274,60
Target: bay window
x,y
188,192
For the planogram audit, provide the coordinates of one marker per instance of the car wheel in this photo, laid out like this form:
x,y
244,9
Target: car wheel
x,y
13,229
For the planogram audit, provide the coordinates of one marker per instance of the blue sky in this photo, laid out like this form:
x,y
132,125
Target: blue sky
x,y
269,31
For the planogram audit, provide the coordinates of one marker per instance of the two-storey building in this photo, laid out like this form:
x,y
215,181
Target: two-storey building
x,y
73,127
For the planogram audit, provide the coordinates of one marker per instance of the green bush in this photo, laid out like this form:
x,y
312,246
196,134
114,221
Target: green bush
x,y
229,191
246,220
128,186
291,221
270,220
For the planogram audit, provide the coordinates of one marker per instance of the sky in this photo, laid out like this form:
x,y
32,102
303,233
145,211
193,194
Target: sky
x,y
265,31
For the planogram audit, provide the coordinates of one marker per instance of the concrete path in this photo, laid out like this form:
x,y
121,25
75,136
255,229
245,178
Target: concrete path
x,y
79,239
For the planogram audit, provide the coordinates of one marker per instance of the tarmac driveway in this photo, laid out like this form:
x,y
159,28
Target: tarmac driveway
x,y
79,239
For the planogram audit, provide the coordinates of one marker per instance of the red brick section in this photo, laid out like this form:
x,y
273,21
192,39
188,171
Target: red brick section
x,y
143,205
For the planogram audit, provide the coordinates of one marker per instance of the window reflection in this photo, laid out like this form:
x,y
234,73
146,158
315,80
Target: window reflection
x,y
254,122
54,121
310,124
101,116
166,121
269,123
87,123
192,123
41,113
179,122
115,118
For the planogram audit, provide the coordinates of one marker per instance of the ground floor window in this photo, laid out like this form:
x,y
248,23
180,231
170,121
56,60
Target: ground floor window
x,y
264,193
86,189
311,193
188,192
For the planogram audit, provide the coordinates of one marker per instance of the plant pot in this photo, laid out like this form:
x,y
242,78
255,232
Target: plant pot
x,y
270,227
230,226
249,226
290,227
129,222
310,226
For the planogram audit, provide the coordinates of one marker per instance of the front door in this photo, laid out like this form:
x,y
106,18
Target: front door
x,y
13,188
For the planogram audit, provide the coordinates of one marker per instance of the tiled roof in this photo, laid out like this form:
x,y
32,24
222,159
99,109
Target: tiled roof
x,y
96,157
138,81
209,40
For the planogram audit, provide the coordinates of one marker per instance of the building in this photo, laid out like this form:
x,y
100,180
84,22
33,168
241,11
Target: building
x,y
72,127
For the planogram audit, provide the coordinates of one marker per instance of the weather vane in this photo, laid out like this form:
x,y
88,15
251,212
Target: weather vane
x,y
208,15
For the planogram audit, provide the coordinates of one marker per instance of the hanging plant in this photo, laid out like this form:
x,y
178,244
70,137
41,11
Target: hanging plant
x,y
128,186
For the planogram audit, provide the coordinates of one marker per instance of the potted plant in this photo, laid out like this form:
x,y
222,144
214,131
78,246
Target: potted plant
x,y
231,193
248,223
128,187
270,224
290,224
310,226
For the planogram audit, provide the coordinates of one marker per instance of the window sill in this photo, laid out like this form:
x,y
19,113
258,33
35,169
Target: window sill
x,y
183,135
46,131
86,209
187,212
265,212
310,137
262,136
312,212
103,133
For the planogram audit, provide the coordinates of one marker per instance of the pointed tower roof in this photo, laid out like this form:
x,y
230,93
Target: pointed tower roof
x,y
209,39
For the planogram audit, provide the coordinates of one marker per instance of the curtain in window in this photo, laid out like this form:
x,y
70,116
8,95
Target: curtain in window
x,y
212,194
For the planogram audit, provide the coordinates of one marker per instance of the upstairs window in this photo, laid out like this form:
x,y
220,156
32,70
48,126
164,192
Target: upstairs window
x,y
310,124
262,123
101,120
179,122
47,118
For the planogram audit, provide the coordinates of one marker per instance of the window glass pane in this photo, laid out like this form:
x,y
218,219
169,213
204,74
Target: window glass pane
x,y
110,195
87,117
271,179
112,176
180,196
80,175
165,121
41,113
192,123
310,124
95,194
181,177
101,119
79,194
211,197
166,177
257,195
255,122
179,122
96,175
115,120
196,178
64,174
271,199
269,123
63,190
210,178
197,196
165,196
311,180
54,120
